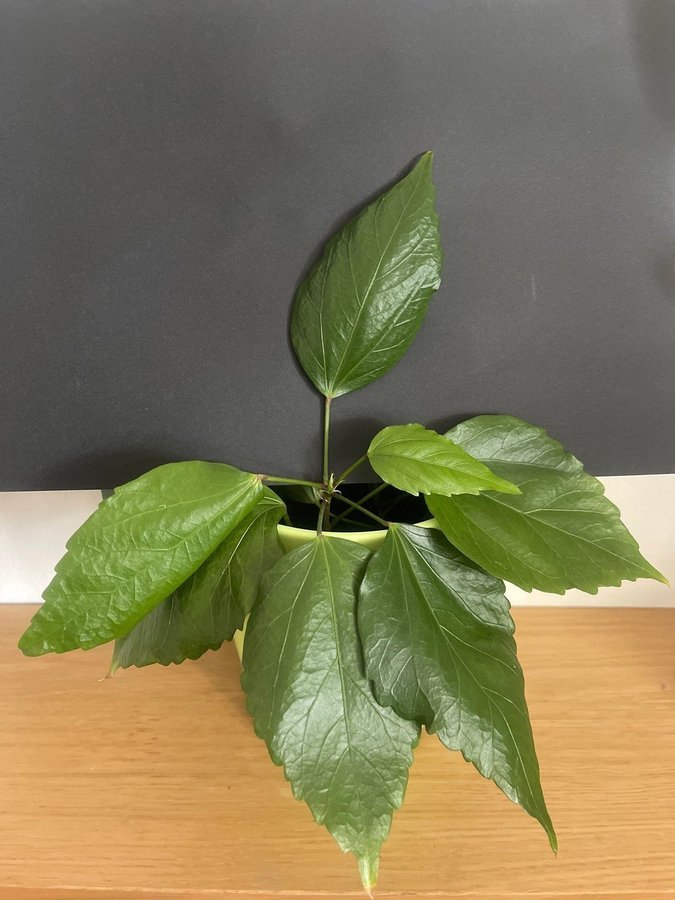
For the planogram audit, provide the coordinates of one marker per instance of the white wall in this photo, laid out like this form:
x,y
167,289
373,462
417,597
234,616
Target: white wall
x,y
34,527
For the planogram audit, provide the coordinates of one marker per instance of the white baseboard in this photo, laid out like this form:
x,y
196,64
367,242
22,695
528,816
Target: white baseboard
x,y
35,525
34,528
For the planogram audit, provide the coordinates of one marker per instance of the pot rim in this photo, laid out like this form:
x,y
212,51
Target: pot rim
x,y
310,533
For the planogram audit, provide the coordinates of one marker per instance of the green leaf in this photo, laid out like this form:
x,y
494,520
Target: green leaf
x,y
138,546
561,532
212,604
413,459
358,310
344,754
438,645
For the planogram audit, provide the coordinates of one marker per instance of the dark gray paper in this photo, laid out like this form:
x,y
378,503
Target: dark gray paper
x,y
170,169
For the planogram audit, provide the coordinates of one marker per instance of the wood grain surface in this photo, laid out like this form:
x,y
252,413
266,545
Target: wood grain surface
x,y
151,785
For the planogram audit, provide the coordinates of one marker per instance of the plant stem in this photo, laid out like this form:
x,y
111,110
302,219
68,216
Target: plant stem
x,y
350,469
394,503
322,513
326,430
363,500
349,521
361,509
277,479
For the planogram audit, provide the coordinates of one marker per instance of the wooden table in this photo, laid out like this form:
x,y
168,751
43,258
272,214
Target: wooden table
x,y
152,784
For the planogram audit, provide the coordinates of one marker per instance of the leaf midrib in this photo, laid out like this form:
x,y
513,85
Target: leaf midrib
x,y
131,579
362,302
239,492
338,656
457,656
584,541
566,457
429,461
443,628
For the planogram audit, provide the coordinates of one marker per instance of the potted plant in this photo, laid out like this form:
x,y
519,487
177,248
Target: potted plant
x,y
357,635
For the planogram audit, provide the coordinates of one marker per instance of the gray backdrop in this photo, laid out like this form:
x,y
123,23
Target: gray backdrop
x,y
170,169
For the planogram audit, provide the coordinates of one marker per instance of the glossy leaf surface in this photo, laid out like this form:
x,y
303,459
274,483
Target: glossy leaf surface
x,y
561,532
139,545
438,644
358,310
343,753
212,604
413,459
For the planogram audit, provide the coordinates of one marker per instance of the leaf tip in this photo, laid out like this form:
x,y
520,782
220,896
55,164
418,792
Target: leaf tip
x,y
507,487
368,866
659,576
550,834
28,646
423,165
114,666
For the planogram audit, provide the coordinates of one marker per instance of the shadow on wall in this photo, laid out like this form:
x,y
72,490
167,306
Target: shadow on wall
x,y
653,35
107,468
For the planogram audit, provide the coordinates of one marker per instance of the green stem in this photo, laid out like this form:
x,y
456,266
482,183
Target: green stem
x,y
326,430
361,509
277,479
349,521
322,513
394,502
363,500
348,471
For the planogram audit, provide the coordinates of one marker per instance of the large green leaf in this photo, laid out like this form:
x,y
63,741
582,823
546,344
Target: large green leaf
x,y
138,546
561,532
343,753
212,604
358,310
438,645
413,459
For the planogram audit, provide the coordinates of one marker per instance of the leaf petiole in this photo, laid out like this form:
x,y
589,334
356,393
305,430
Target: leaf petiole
x,y
363,501
326,434
361,509
322,515
277,479
348,471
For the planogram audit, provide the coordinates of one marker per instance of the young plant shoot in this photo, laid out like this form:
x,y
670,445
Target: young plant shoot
x,y
349,652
